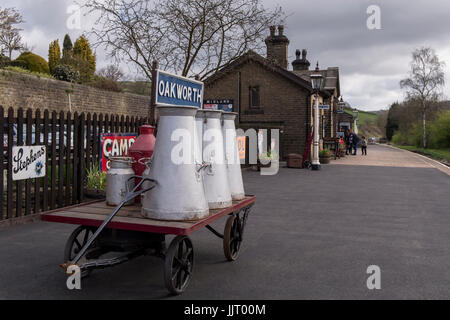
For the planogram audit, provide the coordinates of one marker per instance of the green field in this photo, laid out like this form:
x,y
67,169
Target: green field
x,y
368,124
437,154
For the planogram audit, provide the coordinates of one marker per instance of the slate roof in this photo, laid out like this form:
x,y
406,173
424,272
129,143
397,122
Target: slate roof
x,y
266,63
330,75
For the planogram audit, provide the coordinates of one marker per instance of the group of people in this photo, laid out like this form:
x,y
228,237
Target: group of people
x,y
352,141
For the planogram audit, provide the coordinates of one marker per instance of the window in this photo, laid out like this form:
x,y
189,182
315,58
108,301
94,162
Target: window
x,y
254,97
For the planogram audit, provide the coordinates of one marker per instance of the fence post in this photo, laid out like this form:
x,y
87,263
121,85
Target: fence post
x,y
88,141
81,159
68,158
61,160
9,182
45,193
76,126
19,194
29,142
37,181
53,165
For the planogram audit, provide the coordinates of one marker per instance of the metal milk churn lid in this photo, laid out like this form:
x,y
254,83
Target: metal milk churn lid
x,y
232,156
215,178
118,181
178,194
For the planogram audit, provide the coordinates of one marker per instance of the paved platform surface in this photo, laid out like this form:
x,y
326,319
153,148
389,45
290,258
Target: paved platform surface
x,y
310,235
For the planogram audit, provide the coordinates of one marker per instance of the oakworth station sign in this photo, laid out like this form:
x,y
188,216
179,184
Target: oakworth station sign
x,y
173,90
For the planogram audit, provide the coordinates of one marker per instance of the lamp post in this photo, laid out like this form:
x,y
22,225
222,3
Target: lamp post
x,y
355,121
316,82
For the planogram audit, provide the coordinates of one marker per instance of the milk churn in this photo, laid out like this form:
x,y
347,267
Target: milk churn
x,y
118,181
215,178
142,148
232,156
199,120
178,194
141,151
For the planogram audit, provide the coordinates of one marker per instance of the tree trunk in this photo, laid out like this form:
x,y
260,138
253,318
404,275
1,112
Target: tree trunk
x,y
424,132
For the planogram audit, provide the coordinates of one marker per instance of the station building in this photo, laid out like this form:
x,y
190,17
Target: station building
x,y
266,94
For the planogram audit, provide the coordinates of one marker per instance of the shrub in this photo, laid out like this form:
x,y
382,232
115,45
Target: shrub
x,y
439,134
4,61
32,62
105,84
95,179
325,153
66,73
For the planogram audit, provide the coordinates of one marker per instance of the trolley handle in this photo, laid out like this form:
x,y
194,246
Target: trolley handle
x,y
135,192
129,196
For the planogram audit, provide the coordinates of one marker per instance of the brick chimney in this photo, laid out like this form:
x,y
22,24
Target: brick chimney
x,y
277,47
300,63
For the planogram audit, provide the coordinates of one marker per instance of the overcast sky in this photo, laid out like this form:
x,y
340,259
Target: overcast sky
x,y
371,62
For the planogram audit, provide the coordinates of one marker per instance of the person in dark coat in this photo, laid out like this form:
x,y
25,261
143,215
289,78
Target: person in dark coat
x,y
348,142
355,143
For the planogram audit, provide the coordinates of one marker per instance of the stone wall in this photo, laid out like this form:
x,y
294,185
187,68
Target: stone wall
x,y
283,104
28,91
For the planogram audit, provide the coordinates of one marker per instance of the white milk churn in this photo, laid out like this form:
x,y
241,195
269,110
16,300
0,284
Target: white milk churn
x,y
199,120
178,194
118,181
232,156
215,178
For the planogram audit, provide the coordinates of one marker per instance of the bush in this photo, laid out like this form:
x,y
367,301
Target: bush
x,y
66,73
324,153
32,62
4,61
439,131
105,84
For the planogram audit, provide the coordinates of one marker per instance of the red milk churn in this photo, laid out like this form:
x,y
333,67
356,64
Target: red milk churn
x,y
142,150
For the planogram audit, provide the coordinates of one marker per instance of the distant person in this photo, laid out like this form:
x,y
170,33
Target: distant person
x,y
364,146
348,142
355,143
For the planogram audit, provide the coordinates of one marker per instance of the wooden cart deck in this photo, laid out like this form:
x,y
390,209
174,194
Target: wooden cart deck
x,y
130,218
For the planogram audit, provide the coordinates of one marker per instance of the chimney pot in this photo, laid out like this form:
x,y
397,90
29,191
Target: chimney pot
x,y
297,54
280,30
272,30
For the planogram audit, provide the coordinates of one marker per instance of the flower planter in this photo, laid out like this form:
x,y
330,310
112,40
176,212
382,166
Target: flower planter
x,y
324,160
94,193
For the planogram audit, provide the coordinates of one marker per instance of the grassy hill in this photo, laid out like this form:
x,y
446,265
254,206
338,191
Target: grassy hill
x,y
368,123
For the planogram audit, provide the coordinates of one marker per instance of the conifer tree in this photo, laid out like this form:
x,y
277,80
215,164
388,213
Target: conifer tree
x,y
54,55
83,53
67,46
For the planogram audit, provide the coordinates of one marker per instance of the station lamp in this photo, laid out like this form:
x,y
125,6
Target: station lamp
x,y
316,83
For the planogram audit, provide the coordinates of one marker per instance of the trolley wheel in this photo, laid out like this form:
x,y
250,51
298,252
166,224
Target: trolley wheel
x,y
232,237
178,264
76,241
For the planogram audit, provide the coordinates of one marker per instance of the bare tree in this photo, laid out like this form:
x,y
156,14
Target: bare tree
x,y
188,37
425,81
10,38
111,72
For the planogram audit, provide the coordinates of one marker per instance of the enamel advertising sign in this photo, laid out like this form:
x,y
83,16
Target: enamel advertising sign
x,y
28,162
115,145
173,90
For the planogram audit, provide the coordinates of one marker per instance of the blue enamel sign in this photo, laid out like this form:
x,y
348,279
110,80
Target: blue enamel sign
x,y
174,90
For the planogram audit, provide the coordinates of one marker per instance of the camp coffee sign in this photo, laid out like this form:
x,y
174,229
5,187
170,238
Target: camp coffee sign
x,y
28,162
173,90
